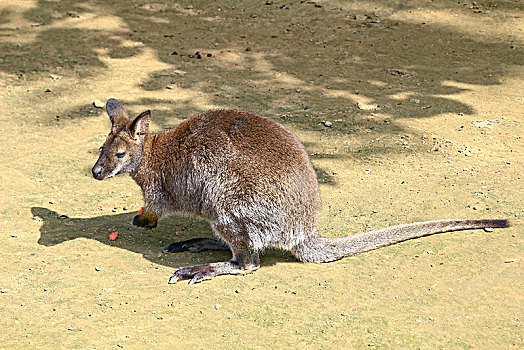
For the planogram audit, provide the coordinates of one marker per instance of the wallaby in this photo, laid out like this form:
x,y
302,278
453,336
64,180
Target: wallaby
x,y
250,177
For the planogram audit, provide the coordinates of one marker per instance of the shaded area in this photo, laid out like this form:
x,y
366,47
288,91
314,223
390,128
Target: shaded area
x,y
58,228
299,64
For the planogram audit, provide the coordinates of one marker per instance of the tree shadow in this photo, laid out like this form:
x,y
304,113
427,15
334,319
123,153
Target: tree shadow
x,y
59,228
240,57
299,64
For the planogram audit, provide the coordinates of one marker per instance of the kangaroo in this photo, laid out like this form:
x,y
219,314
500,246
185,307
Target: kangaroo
x,y
250,177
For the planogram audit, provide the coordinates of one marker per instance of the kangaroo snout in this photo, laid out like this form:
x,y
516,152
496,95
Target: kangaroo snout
x,y
97,172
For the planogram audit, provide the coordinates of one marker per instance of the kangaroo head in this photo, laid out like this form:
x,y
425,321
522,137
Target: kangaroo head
x,y
122,151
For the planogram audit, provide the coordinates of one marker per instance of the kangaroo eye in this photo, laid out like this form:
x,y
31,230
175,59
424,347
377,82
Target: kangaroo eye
x,y
120,155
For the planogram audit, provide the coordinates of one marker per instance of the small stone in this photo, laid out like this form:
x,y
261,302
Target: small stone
x,y
367,107
361,18
3,291
248,48
14,236
218,306
55,77
488,229
120,345
327,123
179,72
38,24
400,72
48,90
98,269
507,261
237,291
98,104
299,90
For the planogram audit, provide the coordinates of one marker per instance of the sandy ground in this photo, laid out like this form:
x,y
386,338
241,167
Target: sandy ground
x,y
411,110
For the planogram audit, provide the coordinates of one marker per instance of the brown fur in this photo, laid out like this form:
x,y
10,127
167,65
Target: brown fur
x,y
249,176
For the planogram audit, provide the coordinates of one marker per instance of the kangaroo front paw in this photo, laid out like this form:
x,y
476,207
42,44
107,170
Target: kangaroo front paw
x,y
145,221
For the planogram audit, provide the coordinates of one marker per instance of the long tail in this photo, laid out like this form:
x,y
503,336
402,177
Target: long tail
x,y
321,249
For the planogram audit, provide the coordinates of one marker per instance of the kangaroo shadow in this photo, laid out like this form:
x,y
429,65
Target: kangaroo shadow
x,y
59,228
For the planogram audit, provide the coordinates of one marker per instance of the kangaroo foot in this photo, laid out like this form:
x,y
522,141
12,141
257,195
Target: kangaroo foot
x,y
203,272
196,245
146,221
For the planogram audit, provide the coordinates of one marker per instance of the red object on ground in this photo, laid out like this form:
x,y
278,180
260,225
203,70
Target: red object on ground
x,y
140,211
113,236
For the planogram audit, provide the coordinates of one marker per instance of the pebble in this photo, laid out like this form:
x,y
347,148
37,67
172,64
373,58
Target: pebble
x,y
400,72
327,124
366,107
488,229
98,104
179,72
507,261
3,291
98,269
55,77
486,123
218,306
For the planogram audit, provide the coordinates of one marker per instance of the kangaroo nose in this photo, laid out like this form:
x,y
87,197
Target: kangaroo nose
x,y
97,172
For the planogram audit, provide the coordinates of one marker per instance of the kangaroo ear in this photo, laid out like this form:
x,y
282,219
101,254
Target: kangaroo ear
x,y
140,126
117,113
